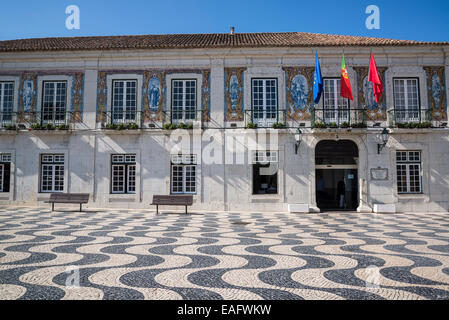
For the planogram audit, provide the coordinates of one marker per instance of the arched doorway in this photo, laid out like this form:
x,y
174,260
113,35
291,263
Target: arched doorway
x,y
336,165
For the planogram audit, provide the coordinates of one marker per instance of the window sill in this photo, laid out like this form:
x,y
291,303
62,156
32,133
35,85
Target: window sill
x,y
417,196
266,196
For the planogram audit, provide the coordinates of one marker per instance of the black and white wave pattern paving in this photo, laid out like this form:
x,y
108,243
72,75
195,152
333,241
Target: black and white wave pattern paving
x,y
134,254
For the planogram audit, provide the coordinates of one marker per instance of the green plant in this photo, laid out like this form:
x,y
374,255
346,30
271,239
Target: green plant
x,y
278,125
121,127
11,127
62,127
358,125
49,126
133,126
36,126
319,125
333,125
426,124
344,125
112,126
251,125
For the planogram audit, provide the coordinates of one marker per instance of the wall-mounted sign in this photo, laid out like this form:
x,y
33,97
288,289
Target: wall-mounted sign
x,y
379,173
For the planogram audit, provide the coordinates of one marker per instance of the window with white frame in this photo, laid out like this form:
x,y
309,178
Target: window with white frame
x,y
265,172
54,102
264,101
183,174
5,172
406,100
408,168
124,101
123,173
336,108
52,173
6,101
184,100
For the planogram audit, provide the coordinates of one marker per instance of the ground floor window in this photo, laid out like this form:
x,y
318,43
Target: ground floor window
x,y
123,172
183,174
408,168
52,173
5,172
265,172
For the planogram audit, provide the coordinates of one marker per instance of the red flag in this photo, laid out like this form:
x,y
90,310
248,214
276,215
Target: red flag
x,y
345,90
373,77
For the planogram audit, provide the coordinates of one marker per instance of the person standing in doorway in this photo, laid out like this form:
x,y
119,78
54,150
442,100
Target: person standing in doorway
x,y
341,191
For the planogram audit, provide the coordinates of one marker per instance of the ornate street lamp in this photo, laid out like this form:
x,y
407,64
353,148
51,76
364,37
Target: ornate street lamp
x,y
384,137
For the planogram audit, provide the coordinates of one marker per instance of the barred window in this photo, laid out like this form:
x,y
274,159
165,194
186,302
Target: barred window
x,y
183,174
123,172
5,172
52,173
408,167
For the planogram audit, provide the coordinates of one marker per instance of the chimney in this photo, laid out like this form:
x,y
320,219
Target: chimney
x,y
232,30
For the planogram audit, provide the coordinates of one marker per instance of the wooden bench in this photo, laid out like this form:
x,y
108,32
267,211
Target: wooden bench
x,y
68,198
172,200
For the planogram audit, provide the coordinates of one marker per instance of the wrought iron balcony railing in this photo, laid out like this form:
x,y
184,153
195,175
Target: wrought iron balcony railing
x,y
408,117
342,117
8,119
258,118
122,118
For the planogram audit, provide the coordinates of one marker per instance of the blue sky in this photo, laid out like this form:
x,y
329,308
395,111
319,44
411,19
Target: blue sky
x,y
400,19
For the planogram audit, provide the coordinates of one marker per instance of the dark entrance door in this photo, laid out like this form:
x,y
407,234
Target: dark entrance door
x,y
336,175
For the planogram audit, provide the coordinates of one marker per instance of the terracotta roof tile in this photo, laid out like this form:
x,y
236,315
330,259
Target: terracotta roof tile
x,y
192,41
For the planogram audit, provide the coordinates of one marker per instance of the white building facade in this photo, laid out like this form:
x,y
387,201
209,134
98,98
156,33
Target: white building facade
x,y
233,123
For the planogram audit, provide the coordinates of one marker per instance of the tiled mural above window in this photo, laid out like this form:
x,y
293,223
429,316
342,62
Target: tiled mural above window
x,y
374,111
436,92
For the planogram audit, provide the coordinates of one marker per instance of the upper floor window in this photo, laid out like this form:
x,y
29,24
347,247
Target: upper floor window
x,y
336,108
124,101
54,102
123,171
6,101
408,167
52,173
264,101
406,100
184,100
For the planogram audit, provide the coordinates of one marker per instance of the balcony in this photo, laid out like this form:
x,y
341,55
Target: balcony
x,y
409,118
8,120
184,119
339,118
122,120
257,118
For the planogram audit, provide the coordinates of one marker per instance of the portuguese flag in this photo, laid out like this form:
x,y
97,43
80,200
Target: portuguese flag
x,y
345,91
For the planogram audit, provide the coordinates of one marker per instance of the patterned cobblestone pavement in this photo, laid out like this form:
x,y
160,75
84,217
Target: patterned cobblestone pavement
x,y
134,254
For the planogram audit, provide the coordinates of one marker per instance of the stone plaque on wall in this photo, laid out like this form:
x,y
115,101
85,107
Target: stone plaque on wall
x,y
379,173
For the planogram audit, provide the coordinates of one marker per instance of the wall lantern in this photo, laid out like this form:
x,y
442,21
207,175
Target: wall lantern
x,y
298,137
384,137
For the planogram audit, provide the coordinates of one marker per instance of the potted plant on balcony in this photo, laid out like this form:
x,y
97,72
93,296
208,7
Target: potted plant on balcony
x,y
333,125
278,125
319,125
251,125
358,125
62,127
344,125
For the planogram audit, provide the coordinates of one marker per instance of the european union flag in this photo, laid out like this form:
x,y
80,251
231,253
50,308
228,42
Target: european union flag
x,y
317,81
